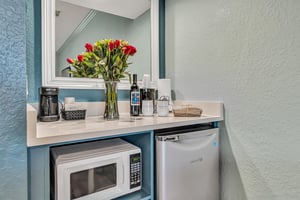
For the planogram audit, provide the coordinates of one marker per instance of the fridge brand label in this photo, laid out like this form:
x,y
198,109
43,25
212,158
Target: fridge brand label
x,y
135,98
197,160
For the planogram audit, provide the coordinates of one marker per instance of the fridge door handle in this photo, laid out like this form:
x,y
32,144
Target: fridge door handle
x,y
192,144
172,138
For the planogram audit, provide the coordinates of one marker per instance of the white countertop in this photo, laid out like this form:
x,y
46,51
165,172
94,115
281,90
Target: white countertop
x,y
42,133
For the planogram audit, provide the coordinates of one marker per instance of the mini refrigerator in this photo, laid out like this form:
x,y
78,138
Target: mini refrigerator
x,y
187,163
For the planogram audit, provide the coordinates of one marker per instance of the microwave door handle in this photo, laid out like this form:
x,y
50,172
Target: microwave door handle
x,y
91,185
123,173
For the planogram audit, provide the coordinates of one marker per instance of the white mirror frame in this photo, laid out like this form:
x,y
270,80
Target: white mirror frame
x,y
48,52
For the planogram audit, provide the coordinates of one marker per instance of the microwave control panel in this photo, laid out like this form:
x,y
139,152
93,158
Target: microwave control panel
x,y
135,170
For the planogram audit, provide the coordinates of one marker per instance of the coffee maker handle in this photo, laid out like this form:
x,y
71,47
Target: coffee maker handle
x,y
62,106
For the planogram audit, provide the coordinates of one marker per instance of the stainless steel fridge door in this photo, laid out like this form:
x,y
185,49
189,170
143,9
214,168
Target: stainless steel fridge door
x,y
188,166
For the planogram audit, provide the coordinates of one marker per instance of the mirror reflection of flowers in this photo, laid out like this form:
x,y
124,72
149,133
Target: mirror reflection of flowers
x,y
106,58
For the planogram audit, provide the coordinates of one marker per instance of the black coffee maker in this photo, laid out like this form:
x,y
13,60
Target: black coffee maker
x,y
48,107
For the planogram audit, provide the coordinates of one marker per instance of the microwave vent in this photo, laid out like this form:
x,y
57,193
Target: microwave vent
x,y
73,152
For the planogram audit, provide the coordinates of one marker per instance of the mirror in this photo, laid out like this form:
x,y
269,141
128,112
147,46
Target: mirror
x,y
58,43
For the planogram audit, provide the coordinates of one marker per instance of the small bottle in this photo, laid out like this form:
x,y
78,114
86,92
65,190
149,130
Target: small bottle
x,y
134,97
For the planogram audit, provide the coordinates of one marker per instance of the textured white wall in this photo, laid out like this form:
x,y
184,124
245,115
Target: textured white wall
x,y
246,53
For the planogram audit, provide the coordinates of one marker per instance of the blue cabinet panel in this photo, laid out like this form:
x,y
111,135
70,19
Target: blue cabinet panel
x,y
39,164
39,176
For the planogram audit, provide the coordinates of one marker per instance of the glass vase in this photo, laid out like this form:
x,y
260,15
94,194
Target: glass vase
x,y
111,101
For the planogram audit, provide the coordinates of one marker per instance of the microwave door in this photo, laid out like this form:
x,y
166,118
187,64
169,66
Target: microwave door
x,y
93,180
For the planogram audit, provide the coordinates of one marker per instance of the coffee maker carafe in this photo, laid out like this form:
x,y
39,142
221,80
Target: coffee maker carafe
x,y
48,107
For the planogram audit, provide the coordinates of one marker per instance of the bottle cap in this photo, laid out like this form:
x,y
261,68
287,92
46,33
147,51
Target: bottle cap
x,y
146,81
134,78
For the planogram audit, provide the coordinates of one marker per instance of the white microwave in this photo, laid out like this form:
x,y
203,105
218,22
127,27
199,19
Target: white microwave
x,y
99,170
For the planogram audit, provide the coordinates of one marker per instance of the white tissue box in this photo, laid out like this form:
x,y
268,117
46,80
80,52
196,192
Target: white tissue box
x,y
73,106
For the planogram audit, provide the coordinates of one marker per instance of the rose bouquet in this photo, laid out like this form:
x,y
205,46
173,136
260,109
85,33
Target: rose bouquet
x,y
107,58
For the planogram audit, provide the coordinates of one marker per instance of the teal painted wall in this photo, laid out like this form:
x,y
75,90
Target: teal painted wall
x,y
247,54
162,37
33,48
13,151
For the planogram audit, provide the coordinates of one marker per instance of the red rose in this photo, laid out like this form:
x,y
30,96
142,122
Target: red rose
x,y
80,58
126,50
129,50
70,60
111,46
117,43
89,47
132,50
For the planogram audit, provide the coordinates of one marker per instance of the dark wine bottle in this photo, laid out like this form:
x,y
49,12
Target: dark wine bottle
x,y
135,97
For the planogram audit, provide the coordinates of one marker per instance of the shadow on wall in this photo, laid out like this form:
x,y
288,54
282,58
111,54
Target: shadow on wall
x,y
231,184
230,180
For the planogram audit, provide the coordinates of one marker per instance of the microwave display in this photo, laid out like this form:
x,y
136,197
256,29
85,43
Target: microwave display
x,y
135,170
93,180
